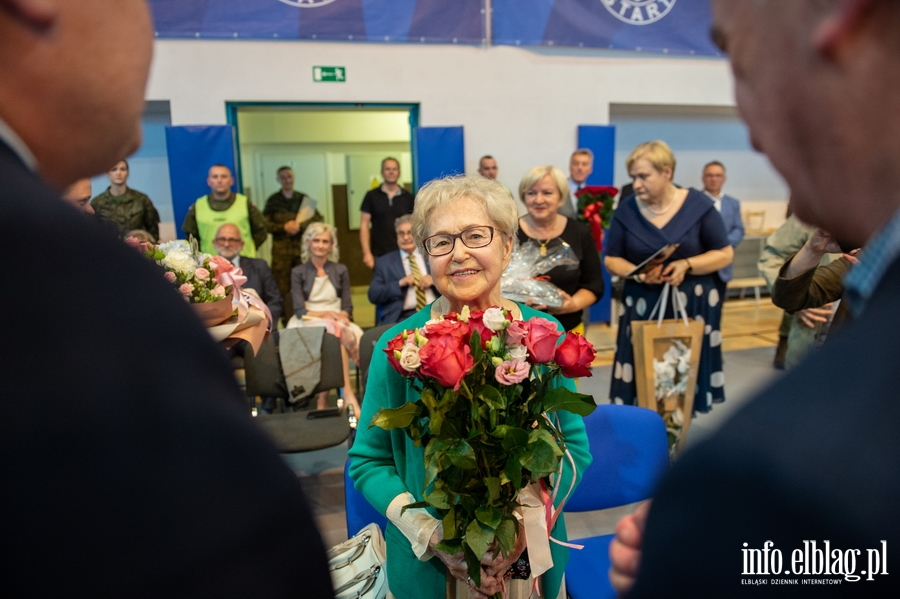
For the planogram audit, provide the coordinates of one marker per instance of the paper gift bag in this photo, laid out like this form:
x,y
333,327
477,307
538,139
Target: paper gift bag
x,y
651,340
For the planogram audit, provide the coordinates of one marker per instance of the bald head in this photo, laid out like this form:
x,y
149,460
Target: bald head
x,y
79,195
74,71
228,242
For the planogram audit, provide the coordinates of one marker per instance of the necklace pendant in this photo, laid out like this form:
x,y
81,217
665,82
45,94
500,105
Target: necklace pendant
x,y
543,250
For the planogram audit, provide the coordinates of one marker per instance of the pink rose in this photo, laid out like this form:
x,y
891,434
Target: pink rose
x,y
446,359
170,276
220,265
574,356
512,372
516,332
541,340
201,274
393,351
186,289
219,290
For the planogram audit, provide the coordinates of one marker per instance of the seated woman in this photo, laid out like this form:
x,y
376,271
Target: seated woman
x,y
656,215
320,288
466,225
543,190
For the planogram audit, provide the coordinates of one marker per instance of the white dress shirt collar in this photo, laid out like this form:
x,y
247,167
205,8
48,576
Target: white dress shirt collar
x,y
18,146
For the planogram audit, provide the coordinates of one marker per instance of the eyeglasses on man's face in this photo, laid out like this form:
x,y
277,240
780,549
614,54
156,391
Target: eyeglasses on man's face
x,y
227,240
472,237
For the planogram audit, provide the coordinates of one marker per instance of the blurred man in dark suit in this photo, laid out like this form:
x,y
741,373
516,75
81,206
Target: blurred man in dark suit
x,y
813,462
129,463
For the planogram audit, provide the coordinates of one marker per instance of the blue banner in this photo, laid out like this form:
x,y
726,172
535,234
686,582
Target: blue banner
x,y
664,26
419,21
439,151
192,150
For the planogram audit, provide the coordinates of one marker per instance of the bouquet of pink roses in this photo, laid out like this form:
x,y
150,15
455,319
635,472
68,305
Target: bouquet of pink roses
x,y
487,383
200,278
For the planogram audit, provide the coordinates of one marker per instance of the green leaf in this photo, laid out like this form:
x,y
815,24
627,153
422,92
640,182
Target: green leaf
x,y
562,398
473,564
492,397
429,399
479,537
493,485
462,455
475,346
542,455
506,534
414,506
450,546
511,437
437,498
489,516
391,418
512,472
449,524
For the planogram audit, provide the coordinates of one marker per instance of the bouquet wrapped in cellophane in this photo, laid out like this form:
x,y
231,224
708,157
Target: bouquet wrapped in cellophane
x,y
521,281
487,385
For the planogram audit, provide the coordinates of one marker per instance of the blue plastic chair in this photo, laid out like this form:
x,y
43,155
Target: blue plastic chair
x,y
360,512
630,452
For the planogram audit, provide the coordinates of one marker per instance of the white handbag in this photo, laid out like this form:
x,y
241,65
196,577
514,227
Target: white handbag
x,y
357,566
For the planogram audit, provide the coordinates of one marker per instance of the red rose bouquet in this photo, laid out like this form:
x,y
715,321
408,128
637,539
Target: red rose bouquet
x,y
487,384
595,207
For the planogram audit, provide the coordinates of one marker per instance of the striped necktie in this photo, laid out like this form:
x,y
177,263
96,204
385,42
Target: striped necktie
x,y
417,275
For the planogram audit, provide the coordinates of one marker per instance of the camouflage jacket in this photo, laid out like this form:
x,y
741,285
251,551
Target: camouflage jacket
x,y
129,211
280,210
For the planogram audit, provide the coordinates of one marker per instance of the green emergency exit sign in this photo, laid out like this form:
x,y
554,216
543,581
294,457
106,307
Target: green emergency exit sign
x,y
326,74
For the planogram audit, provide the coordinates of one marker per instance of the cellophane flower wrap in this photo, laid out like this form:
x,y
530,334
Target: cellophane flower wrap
x,y
522,280
486,384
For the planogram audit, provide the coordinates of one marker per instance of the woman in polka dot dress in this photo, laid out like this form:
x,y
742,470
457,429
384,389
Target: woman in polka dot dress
x,y
656,215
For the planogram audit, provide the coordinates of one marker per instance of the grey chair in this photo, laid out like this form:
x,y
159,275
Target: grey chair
x,y
366,349
300,430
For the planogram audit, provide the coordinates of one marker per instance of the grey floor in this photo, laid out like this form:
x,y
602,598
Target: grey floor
x,y
321,472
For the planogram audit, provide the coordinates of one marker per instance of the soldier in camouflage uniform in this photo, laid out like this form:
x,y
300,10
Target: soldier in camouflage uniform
x,y
127,209
281,213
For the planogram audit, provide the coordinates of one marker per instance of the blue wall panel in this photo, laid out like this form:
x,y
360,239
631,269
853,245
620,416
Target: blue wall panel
x,y
192,150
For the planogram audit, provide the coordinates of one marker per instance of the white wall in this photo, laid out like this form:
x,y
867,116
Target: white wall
x,y
521,105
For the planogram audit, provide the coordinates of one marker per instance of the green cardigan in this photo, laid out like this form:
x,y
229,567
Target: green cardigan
x,y
386,464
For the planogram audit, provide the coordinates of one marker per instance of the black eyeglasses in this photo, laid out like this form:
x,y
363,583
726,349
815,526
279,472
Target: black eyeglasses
x,y
473,238
227,240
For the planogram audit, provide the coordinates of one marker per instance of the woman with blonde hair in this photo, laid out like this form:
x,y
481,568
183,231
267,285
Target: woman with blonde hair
x,y
543,190
659,214
320,288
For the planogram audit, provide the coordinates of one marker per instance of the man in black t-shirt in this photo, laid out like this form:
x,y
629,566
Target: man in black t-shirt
x,y
380,208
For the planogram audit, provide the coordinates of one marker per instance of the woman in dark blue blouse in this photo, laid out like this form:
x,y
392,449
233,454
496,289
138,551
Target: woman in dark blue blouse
x,y
656,215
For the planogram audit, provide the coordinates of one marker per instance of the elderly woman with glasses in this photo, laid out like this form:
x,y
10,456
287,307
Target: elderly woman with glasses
x,y
466,225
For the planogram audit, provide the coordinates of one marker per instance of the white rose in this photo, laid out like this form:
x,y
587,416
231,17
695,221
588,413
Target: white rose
x,y
409,358
179,261
519,352
677,417
494,319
